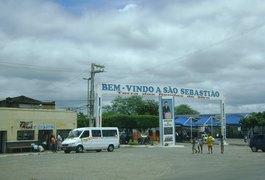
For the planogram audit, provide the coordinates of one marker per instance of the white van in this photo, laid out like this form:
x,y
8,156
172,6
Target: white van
x,y
92,138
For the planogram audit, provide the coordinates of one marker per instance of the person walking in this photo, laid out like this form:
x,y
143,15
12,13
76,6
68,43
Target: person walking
x,y
222,144
245,139
59,142
53,143
200,145
210,144
193,142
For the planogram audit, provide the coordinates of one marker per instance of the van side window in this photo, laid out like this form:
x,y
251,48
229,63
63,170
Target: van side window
x,y
96,133
85,134
109,133
260,137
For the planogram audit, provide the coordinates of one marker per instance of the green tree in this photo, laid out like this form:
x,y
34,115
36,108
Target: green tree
x,y
184,109
255,119
131,121
132,112
119,120
133,105
151,107
82,120
261,119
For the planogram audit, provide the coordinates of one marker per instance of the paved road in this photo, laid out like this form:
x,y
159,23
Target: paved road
x,y
139,163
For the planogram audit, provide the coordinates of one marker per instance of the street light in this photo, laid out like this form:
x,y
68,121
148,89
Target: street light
x,y
88,101
95,68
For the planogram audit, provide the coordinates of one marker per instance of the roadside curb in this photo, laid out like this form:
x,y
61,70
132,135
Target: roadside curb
x,y
135,146
151,146
27,154
234,144
21,154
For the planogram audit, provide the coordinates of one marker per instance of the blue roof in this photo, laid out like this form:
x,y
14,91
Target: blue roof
x,y
183,121
233,119
202,120
207,120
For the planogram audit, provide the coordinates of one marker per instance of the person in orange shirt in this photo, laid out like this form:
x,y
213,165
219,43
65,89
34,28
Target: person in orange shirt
x,y
53,142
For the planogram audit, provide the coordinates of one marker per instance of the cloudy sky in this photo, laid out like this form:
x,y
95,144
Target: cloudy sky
x,y
47,46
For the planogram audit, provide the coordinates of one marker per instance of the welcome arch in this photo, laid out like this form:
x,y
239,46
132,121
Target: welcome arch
x,y
166,95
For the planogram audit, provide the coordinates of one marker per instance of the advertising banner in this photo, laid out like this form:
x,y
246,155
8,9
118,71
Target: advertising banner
x,y
26,124
167,126
152,90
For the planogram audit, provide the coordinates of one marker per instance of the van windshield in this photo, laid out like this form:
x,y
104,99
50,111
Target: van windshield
x,y
74,133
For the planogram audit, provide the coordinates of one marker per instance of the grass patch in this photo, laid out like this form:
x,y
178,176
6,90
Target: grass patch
x,y
133,143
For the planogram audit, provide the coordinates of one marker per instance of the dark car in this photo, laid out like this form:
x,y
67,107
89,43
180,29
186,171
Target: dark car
x,y
257,142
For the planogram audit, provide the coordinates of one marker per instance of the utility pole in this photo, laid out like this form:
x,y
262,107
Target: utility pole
x,y
88,99
95,68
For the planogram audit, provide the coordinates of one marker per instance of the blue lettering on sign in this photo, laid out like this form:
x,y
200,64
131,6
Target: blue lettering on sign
x,y
161,91
44,126
191,92
165,90
129,87
111,87
145,89
217,94
170,90
158,90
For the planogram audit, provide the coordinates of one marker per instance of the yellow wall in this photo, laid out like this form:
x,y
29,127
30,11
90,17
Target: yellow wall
x,y
10,119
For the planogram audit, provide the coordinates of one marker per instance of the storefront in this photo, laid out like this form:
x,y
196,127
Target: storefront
x,y
20,127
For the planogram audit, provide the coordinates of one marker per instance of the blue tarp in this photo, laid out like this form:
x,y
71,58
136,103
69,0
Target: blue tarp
x,y
233,119
208,120
183,121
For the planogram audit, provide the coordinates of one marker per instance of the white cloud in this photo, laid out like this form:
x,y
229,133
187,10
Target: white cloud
x,y
198,44
128,7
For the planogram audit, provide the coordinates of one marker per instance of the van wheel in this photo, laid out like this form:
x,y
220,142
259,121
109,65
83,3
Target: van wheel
x,y
254,149
66,151
79,149
111,148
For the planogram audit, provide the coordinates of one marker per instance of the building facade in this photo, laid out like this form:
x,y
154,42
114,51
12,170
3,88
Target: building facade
x,y
26,102
20,127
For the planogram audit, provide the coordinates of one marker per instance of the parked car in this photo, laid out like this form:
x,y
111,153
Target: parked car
x,y
257,142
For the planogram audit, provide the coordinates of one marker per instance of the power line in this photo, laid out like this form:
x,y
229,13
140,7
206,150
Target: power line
x,y
222,41
33,67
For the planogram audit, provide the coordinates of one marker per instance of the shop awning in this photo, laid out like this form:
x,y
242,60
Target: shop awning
x,y
233,119
183,121
207,120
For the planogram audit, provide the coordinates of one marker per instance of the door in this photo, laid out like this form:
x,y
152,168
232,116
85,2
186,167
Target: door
x,y
85,139
96,139
3,139
44,138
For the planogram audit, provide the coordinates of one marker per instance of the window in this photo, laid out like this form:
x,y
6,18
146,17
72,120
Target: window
x,y
109,133
85,134
260,137
96,133
74,133
63,132
25,135
168,130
